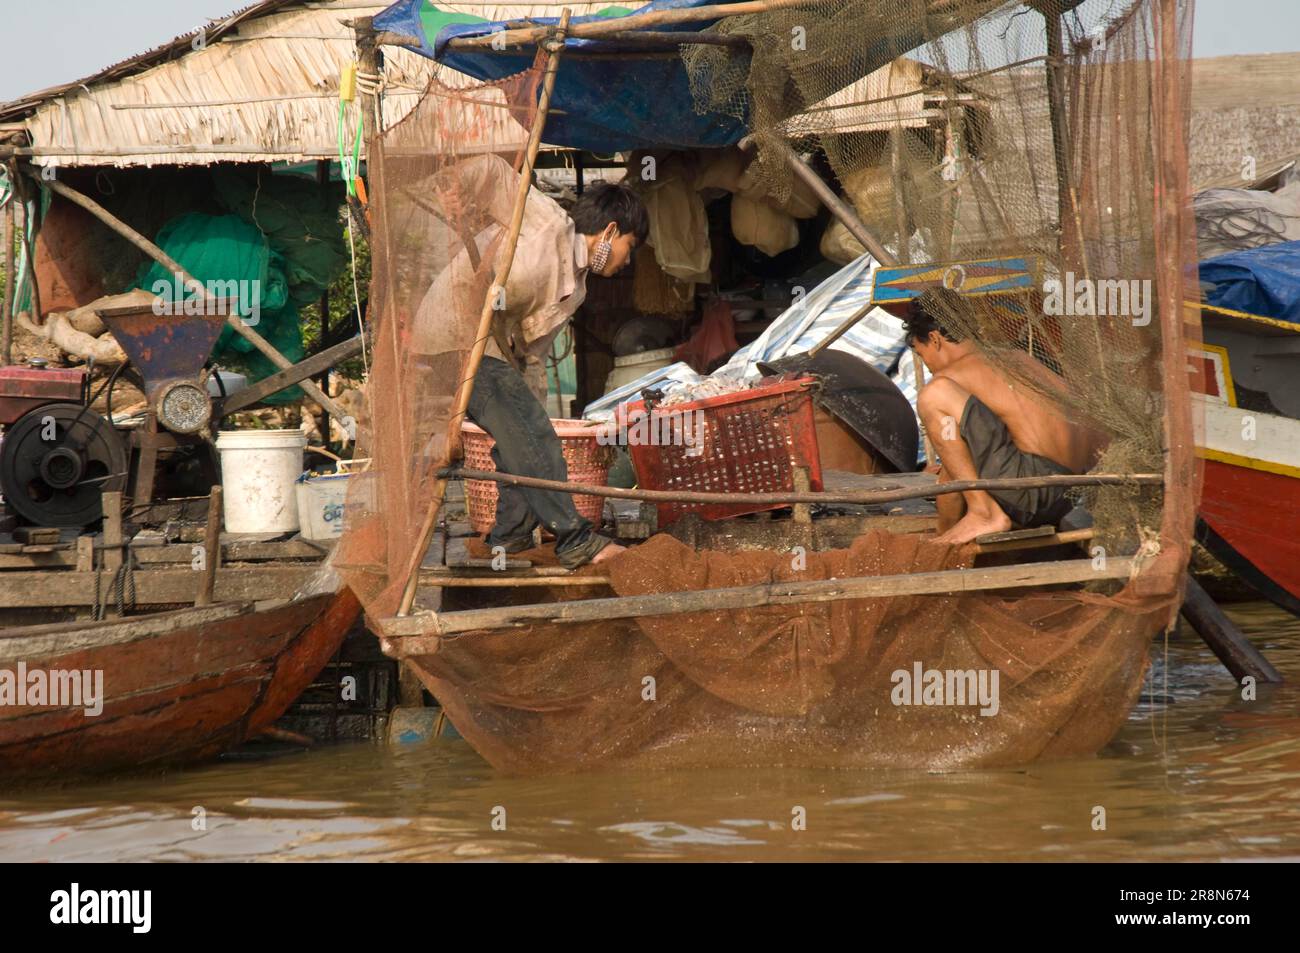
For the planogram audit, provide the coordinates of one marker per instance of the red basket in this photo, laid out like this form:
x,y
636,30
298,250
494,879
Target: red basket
x,y
588,462
752,442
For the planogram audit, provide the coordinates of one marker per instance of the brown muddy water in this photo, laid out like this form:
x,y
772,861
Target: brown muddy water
x,y
1196,774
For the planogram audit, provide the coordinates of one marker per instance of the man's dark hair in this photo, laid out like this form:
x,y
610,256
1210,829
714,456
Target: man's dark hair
x,y
930,312
603,202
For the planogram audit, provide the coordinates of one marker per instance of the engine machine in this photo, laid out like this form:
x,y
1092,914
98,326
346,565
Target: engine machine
x,y
57,455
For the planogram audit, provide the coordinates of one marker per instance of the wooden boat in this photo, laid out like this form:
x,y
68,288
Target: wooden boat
x,y
170,684
107,665
177,686
723,649
1250,402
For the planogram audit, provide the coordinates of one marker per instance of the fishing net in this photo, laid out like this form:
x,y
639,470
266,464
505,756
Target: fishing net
x,y
989,100
968,108
441,197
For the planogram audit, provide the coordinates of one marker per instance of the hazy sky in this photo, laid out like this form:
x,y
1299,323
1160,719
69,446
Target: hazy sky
x,y
70,39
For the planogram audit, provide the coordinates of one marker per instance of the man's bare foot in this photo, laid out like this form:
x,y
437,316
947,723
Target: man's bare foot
x,y
608,552
973,525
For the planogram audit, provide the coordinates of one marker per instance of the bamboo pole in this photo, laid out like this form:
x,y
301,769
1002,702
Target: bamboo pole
x,y
505,260
792,497
523,33
636,21
421,634
173,266
839,208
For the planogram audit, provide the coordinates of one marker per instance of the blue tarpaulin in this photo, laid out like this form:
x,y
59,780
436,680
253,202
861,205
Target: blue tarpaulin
x,y
603,105
1263,281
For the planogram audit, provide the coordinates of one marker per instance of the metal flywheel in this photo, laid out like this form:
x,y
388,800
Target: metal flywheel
x,y
56,460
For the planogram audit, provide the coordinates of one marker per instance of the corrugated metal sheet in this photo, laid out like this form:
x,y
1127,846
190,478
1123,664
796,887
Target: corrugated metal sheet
x,y
258,86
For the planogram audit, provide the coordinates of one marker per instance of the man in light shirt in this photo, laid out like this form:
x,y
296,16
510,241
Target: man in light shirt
x,y
546,285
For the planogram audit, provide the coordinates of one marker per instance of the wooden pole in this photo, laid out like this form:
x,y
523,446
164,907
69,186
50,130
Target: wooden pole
x,y
792,497
211,549
173,266
1223,637
278,381
7,315
842,330
839,208
505,259
420,634
612,25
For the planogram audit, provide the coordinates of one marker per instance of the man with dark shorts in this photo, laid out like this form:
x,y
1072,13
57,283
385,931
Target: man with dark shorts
x,y
986,426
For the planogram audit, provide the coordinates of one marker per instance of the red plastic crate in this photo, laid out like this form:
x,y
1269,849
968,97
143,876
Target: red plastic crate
x,y
752,442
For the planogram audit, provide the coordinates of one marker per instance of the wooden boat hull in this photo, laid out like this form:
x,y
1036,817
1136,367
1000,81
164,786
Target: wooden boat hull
x,y
1250,498
178,686
810,685
1251,523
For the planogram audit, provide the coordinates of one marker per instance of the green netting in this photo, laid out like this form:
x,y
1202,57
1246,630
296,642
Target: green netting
x,y
225,248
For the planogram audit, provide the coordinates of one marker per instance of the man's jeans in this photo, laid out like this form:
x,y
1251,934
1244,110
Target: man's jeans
x,y
526,445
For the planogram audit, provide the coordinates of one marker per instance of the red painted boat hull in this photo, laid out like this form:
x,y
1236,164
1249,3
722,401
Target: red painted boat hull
x,y
178,686
1254,519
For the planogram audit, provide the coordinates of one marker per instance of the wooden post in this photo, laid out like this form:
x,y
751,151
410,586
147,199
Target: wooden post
x,y
211,549
7,316
505,259
113,554
112,529
1223,637
173,266
802,484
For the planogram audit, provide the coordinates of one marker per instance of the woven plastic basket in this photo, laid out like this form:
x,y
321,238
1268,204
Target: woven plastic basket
x,y
752,442
587,460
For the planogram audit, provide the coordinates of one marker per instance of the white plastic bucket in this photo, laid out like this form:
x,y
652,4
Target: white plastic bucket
x,y
258,472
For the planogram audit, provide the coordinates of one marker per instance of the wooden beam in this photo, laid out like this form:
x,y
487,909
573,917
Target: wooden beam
x,y
278,381
791,497
1228,642
232,551
421,634
45,589
529,35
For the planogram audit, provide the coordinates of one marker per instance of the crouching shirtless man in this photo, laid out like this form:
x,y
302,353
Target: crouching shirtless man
x,y
984,426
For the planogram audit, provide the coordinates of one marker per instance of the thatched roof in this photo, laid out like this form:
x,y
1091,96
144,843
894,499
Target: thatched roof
x,y
260,85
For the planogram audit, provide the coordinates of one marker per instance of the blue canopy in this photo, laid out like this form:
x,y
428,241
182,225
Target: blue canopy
x,y
603,105
1263,281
